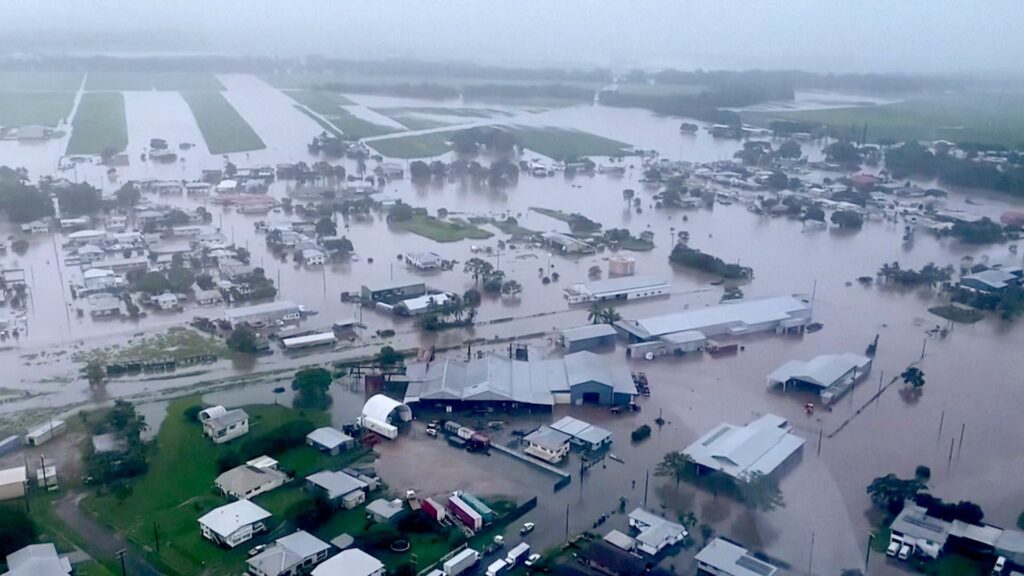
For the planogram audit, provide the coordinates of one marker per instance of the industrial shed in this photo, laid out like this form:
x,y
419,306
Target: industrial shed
x,y
587,337
831,374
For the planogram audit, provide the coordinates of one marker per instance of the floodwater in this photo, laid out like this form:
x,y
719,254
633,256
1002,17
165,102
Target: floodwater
x,y
971,383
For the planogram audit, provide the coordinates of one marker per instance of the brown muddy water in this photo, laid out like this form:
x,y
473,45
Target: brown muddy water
x,y
972,384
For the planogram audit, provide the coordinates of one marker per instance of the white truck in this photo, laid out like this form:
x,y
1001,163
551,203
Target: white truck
x,y
517,555
497,568
460,562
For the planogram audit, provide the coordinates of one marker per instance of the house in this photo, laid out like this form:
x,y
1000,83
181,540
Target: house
x,y
616,289
36,227
992,281
424,260
620,540
46,476
90,253
587,337
832,375
421,304
222,425
547,444
13,483
103,305
166,301
208,297
351,562
606,559
385,511
593,379
338,487
383,415
313,257
37,560
251,479
654,532
723,558
233,523
290,555
231,269
567,244
583,434
740,452
330,440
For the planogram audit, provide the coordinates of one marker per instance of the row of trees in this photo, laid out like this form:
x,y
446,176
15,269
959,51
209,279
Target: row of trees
x,y
683,255
928,275
913,158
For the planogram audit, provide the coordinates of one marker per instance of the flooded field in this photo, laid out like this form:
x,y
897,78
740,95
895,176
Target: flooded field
x,y
971,383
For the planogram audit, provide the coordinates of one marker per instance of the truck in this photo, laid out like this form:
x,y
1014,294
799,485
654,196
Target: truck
x,y
465,433
517,554
451,427
478,443
457,442
460,562
497,568
434,510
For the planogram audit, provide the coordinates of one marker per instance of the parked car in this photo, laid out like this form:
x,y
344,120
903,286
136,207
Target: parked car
x,y
432,432
997,568
527,528
257,549
533,559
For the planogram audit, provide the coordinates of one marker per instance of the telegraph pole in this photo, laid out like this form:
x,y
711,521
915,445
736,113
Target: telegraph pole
x,y
120,556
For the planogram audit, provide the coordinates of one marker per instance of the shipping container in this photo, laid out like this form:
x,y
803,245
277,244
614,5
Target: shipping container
x,y
45,433
475,503
517,555
465,433
465,513
434,510
460,562
451,427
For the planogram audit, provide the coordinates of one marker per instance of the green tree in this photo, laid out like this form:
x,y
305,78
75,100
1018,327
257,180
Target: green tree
x,y
913,377
842,152
242,339
311,386
511,288
128,195
24,203
326,227
419,171
95,372
610,315
675,465
890,491
79,199
923,473
789,149
1020,521
478,268
761,492
205,281
400,212
154,283
388,358
847,219
628,194
814,213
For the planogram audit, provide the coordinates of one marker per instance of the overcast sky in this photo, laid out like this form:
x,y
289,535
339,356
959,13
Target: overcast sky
x,y
820,35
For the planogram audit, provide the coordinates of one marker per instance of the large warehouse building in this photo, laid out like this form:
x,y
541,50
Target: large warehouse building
x,y
578,378
782,313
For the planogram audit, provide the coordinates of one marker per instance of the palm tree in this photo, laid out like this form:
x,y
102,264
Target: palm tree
x,y
628,194
914,377
610,315
594,313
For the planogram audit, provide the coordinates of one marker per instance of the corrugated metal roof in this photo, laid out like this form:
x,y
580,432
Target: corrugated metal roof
x,y
739,313
734,560
758,447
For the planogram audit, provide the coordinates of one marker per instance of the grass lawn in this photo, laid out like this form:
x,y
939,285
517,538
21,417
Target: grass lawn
x,y
99,123
551,213
176,342
327,126
563,142
145,81
32,80
178,489
452,230
417,122
320,101
44,108
418,146
223,128
984,118
513,229
355,127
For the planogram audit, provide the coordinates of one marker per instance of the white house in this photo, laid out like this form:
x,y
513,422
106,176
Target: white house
x,y
741,452
338,486
234,523
655,532
723,558
222,425
547,444
424,260
166,301
289,556
37,560
313,257
250,479
351,562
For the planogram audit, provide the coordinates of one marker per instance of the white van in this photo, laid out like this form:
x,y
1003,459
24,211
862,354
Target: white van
x,y
894,548
905,552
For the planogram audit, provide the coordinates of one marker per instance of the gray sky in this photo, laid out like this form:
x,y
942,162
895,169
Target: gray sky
x,y
820,35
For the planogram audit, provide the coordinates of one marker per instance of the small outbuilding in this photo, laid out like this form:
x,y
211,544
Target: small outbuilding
x,y
330,440
547,444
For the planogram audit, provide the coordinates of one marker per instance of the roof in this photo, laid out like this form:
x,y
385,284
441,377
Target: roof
x,y
287,552
234,314
328,437
618,285
547,438
994,278
585,366
582,431
109,442
385,508
337,484
227,519
44,428
739,313
733,560
654,530
394,285
37,560
619,540
318,338
617,561
423,302
914,521
351,562
739,451
228,418
684,337
380,407
981,533
587,332
1011,541
823,371
240,480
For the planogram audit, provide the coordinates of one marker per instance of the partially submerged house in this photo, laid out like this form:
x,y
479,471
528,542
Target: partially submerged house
x,y
13,483
233,523
654,533
724,558
587,337
583,434
547,444
424,260
783,314
742,452
617,289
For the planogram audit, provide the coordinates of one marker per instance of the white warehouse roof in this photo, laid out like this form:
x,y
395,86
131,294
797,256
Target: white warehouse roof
x,y
823,371
727,317
739,451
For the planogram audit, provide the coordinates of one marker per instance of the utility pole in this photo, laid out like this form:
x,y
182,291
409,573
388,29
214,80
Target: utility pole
x,y
867,554
567,522
647,481
156,536
819,441
810,561
938,437
120,556
923,346
963,427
